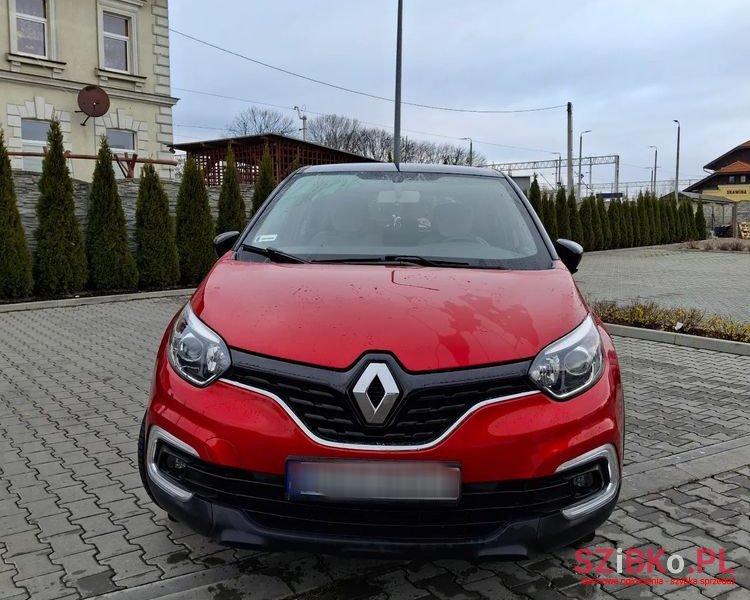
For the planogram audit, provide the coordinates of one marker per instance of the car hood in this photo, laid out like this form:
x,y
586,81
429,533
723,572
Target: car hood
x,y
428,318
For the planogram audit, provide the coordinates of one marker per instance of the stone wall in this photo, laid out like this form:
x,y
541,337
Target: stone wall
x,y
27,192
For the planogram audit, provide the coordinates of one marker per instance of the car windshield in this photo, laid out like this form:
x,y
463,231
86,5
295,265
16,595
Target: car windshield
x,y
440,219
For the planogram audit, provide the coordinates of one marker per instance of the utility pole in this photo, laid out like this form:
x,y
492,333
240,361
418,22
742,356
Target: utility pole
x,y
617,174
591,180
558,170
397,108
303,117
471,150
580,160
677,165
570,147
653,186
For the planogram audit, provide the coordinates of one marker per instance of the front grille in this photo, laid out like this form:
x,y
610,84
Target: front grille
x,y
483,510
428,405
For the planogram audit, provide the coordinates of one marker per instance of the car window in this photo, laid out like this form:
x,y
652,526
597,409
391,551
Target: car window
x,y
474,219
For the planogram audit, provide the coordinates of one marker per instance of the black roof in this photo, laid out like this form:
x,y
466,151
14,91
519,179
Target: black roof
x,y
403,168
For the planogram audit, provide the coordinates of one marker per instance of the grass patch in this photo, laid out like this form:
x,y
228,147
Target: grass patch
x,y
650,315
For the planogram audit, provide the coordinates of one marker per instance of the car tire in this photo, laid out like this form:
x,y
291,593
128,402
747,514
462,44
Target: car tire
x,y
142,459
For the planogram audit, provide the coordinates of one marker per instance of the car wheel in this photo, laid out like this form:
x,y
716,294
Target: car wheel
x,y
142,459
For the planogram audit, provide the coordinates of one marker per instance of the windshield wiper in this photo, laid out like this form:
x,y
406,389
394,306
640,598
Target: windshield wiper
x,y
400,259
273,254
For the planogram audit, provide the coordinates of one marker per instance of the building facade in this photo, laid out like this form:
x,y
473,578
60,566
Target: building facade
x,y
51,49
731,175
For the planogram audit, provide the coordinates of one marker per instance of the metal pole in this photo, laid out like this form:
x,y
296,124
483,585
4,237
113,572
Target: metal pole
x,y
677,165
617,173
558,172
397,109
653,172
591,181
580,160
570,147
471,150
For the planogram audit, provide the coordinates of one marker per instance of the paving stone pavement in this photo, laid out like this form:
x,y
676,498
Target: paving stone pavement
x,y
715,282
75,522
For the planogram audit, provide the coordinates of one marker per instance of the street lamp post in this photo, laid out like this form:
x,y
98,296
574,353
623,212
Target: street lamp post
x,y
471,150
653,183
580,160
677,165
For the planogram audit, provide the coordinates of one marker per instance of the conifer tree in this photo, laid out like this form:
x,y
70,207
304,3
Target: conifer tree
x,y
627,224
674,219
615,225
700,222
606,237
561,212
111,265
265,182
15,260
231,205
655,217
666,226
195,228
156,249
597,239
549,216
574,218
59,258
638,229
535,196
585,218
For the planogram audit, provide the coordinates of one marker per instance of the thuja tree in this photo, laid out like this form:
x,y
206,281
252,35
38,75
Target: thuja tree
x,y
627,224
666,226
111,265
576,229
700,222
614,223
597,235
195,228
639,233
561,213
644,221
655,216
585,218
231,205
265,182
550,216
674,216
15,260
535,196
156,249
59,258
605,241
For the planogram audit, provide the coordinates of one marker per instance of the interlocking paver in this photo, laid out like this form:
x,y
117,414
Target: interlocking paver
x,y
76,522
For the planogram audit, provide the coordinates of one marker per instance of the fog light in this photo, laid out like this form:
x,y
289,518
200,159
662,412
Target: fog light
x,y
584,481
172,465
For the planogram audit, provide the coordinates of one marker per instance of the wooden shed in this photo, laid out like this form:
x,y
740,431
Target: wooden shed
x,y
211,155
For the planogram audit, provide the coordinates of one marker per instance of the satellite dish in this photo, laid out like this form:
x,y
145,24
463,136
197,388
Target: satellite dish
x,y
93,102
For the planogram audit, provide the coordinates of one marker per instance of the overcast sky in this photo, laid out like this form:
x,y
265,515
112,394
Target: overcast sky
x,y
628,67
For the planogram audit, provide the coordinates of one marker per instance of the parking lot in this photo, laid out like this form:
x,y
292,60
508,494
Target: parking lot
x,y
76,522
715,282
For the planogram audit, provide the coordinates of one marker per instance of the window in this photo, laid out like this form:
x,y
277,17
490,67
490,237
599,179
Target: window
x,y
31,27
731,178
34,134
743,178
116,34
120,141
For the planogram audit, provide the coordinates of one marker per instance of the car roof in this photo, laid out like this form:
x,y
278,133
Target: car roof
x,y
403,168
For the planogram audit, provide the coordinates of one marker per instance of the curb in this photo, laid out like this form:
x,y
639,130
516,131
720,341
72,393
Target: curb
x,y
86,300
679,339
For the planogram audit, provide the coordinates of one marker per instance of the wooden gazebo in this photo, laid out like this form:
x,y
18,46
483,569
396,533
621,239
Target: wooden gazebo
x,y
211,155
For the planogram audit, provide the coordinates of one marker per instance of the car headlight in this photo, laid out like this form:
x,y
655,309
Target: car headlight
x,y
195,352
572,364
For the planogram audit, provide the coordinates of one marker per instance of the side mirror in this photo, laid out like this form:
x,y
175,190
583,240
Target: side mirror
x,y
224,242
570,253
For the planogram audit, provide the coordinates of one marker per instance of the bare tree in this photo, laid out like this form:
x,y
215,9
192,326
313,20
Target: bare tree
x,y
255,121
337,132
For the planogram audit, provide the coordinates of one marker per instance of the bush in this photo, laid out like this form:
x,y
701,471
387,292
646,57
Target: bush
x,y
265,182
15,260
683,320
576,227
561,213
231,205
535,196
156,250
195,228
60,258
111,266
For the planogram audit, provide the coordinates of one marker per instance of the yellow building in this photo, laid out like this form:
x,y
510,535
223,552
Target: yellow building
x,y
51,49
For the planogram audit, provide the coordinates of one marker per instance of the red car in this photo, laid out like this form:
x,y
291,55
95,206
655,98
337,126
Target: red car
x,y
389,359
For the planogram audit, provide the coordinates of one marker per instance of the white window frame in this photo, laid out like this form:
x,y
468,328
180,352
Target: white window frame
x,y
115,150
130,13
32,146
50,41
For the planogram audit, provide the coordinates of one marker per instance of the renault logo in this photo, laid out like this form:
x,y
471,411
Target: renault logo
x,y
376,392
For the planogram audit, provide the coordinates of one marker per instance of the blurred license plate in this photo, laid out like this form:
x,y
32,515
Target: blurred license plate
x,y
372,480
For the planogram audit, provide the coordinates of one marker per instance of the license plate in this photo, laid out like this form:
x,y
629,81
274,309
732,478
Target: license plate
x,y
356,481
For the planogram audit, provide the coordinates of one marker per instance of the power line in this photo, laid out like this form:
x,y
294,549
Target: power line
x,y
312,112
358,92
